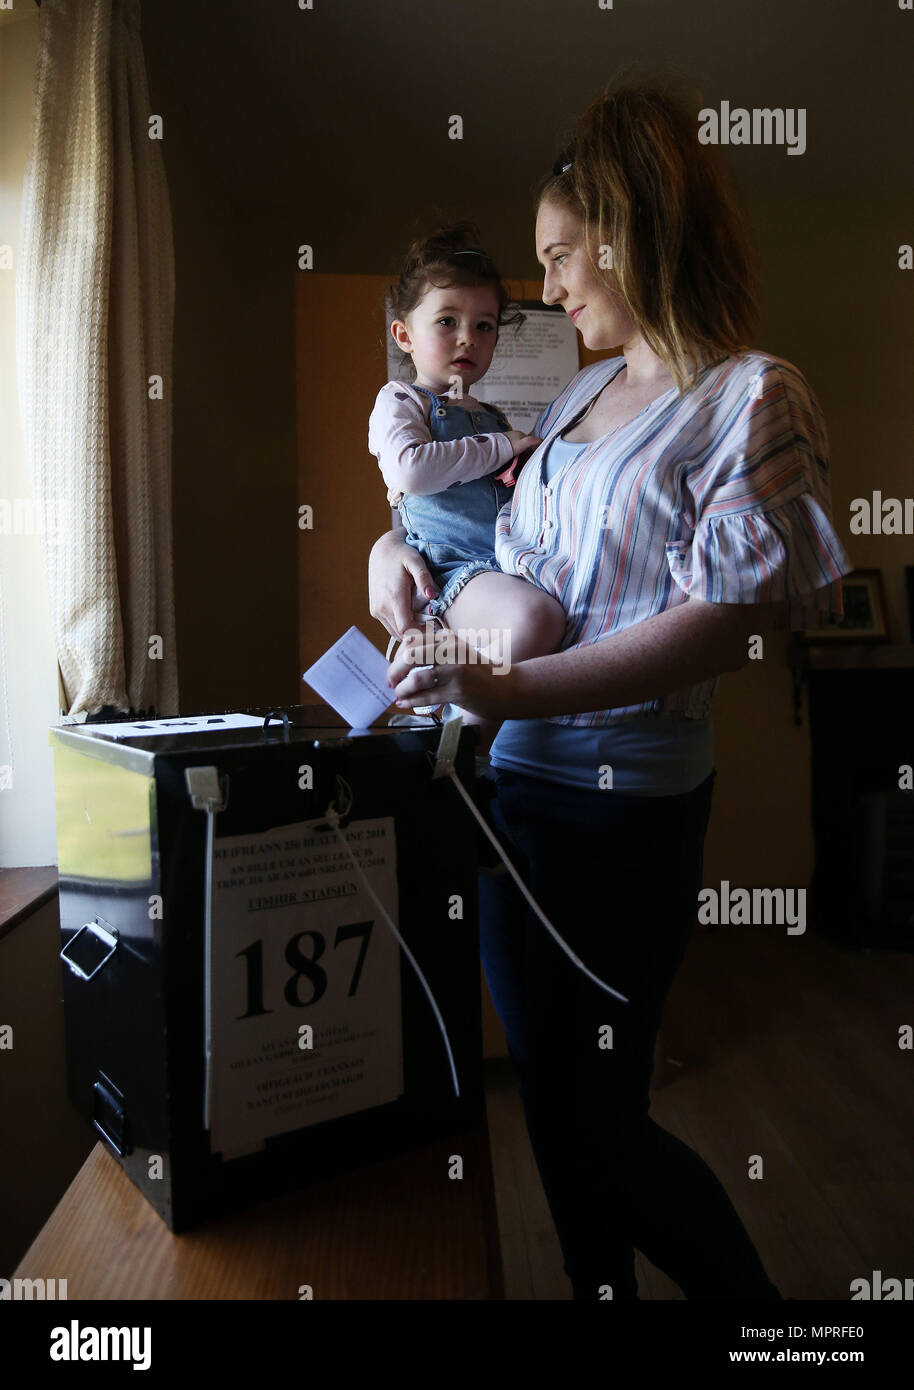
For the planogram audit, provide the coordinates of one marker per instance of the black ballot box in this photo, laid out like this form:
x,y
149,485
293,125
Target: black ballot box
x,y
240,1017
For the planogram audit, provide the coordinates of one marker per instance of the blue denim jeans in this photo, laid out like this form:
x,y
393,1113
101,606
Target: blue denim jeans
x,y
618,876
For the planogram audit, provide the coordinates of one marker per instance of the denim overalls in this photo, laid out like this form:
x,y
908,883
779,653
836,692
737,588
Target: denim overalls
x,y
454,530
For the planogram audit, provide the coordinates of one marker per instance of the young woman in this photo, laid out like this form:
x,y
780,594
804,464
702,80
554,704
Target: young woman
x,y
678,505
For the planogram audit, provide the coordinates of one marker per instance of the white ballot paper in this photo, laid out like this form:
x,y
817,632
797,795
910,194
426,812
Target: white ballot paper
x,y
352,677
298,945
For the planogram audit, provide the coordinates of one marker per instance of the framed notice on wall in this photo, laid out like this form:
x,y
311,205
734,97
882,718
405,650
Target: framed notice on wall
x,y
532,363
307,1022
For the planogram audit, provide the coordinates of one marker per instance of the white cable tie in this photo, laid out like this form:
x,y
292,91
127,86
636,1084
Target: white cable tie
x,y
206,794
333,819
529,896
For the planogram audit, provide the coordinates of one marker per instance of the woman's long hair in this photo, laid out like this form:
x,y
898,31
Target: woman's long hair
x,y
682,258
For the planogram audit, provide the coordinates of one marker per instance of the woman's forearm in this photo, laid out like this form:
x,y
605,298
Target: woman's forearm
x,y
671,651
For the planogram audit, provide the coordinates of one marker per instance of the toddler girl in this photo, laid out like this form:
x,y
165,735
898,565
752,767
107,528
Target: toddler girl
x,y
449,460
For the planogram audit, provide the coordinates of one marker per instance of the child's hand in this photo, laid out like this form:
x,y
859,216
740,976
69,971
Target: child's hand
x,y
522,442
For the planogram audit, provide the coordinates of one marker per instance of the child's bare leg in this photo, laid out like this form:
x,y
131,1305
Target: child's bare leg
x,y
506,619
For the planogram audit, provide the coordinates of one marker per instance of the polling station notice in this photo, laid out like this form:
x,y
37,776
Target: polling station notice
x,y
306,1011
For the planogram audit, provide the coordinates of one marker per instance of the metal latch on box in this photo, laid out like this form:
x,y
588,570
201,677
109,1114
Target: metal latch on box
x,y
109,1113
447,746
95,950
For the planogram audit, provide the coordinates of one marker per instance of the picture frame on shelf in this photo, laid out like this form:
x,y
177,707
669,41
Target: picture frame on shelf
x,y
865,611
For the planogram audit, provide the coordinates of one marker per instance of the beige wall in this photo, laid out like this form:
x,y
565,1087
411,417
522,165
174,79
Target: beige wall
x,y
836,304
234,431
831,305
338,373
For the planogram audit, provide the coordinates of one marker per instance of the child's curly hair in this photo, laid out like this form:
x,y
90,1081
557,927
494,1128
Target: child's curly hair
x,y
450,255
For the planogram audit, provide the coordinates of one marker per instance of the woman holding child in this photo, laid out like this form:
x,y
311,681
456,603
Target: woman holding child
x,y
677,504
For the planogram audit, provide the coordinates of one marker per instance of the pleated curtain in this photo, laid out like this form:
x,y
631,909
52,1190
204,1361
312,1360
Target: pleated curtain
x,y
94,325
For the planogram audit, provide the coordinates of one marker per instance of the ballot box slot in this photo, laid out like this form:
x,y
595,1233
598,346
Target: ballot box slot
x,y
90,948
277,714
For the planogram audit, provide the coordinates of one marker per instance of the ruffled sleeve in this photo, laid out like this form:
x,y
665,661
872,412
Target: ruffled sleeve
x,y
760,497
789,554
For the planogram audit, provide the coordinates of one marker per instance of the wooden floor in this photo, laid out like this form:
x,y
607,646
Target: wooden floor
x,y
783,1046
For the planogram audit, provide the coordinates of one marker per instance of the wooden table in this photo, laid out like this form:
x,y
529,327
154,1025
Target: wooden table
x,y
398,1230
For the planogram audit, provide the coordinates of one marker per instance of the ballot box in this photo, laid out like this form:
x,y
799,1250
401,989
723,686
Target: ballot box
x,y
240,1016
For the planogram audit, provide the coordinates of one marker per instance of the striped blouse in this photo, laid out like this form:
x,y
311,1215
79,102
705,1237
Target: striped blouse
x,y
723,494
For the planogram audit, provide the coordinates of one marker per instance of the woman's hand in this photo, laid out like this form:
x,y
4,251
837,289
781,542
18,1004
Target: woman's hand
x,y
468,678
399,583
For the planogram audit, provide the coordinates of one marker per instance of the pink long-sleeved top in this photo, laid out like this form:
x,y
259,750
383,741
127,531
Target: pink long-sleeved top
x,y
411,461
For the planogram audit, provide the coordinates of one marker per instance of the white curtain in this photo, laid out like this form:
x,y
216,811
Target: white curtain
x,y
94,321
